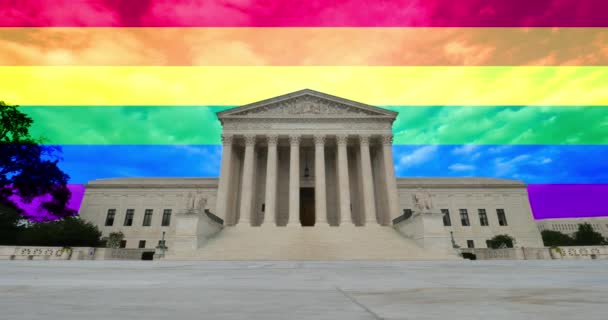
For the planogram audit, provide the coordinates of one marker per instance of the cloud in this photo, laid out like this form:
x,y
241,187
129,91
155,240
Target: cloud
x,y
508,166
465,149
58,13
126,125
417,156
193,12
461,167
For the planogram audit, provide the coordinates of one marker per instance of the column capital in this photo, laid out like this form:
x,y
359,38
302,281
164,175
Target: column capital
x,y
342,139
387,139
319,139
294,139
364,139
227,139
249,139
272,139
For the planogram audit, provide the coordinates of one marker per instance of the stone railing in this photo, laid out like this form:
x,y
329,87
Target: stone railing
x,y
213,217
45,253
587,252
76,253
583,252
508,253
120,253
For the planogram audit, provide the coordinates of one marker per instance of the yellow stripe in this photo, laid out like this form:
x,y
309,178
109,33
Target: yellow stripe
x,y
241,85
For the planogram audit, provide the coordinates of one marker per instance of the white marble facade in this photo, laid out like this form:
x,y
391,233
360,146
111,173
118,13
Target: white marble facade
x,y
309,159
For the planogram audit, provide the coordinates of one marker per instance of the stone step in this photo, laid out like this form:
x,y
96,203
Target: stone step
x,y
310,243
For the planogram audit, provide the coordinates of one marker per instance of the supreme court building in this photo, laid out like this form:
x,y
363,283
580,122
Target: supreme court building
x,y
304,176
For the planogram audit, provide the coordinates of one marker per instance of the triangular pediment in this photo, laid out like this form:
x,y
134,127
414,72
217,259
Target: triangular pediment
x,y
306,103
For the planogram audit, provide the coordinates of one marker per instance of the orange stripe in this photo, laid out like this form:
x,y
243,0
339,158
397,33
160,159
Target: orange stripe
x,y
304,46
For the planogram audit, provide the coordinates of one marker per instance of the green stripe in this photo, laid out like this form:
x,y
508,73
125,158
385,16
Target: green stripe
x,y
414,125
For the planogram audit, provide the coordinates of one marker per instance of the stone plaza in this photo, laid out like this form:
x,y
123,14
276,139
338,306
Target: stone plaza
x,y
501,290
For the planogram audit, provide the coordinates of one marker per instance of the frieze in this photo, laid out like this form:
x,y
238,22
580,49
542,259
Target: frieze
x,y
238,125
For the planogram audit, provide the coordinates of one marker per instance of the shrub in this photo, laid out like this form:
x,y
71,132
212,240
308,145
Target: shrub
x,y
501,241
67,232
556,239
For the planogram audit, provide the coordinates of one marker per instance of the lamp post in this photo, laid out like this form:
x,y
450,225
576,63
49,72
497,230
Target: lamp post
x,y
454,245
160,249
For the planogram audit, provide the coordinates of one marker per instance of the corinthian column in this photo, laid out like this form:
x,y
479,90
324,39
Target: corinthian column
x,y
389,176
369,201
271,181
223,189
320,194
247,186
294,180
343,181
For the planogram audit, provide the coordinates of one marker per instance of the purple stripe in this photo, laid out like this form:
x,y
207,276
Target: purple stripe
x,y
547,200
568,200
33,210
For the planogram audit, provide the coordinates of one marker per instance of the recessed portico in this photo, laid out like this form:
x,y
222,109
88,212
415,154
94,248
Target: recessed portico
x,y
310,147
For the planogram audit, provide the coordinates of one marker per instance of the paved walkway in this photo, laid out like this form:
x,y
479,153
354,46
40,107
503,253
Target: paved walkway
x,y
304,290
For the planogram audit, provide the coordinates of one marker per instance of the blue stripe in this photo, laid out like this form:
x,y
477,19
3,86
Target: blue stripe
x,y
534,164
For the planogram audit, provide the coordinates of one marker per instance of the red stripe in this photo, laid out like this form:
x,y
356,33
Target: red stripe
x,y
304,13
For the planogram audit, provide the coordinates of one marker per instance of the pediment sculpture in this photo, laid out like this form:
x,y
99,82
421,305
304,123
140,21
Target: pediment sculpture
x,y
306,105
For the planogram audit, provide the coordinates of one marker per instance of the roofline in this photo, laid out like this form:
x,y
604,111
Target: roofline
x,y
302,92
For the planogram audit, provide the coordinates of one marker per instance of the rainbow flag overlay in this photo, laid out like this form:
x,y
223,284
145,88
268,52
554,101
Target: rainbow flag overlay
x,y
510,89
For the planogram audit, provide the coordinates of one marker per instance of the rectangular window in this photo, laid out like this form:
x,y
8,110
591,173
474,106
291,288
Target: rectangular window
x,y
147,218
110,217
166,217
129,217
483,217
123,243
502,218
464,217
470,244
446,217
142,244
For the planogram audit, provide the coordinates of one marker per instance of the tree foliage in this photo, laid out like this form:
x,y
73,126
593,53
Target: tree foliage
x,y
28,170
586,236
67,232
556,239
501,241
114,239
9,224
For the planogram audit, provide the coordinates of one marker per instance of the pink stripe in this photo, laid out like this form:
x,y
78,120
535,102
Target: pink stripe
x,y
303,13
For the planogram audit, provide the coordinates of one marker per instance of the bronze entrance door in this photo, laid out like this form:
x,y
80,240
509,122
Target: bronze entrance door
x,y
307,207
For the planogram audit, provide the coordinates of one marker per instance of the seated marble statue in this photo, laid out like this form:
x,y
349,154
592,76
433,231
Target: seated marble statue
x,y
195,202
422,201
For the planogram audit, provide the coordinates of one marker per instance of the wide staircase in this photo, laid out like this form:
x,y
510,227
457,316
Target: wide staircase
x,y
310,243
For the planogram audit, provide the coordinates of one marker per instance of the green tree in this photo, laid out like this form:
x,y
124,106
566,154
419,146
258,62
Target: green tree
x,y
114,239
586,236
556,239
9,225
500,241
67,232
28,170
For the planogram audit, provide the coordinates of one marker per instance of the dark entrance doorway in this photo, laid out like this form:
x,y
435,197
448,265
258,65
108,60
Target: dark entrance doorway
x,y
307,207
